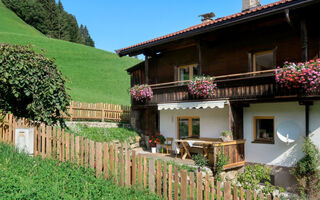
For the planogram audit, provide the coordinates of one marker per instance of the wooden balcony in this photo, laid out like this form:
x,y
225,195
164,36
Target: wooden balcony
x,y
239,87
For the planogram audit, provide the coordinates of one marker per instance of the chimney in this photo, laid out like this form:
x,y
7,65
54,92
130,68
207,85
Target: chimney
x,y
207,17
250,4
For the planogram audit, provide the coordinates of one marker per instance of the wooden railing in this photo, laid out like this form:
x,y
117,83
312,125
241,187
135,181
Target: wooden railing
x,y
125,167
98,111
234,150
248,86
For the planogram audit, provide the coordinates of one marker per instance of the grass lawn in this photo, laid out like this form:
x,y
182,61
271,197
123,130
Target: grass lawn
x,y
105,134
94,75
24,177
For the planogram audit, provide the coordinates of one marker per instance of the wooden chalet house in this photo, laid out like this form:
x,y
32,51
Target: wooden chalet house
x,y
241,51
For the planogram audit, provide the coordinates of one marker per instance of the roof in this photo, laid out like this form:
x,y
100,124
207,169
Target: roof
x,y
265,9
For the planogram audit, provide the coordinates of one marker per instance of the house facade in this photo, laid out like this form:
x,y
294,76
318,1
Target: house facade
x,y
241,51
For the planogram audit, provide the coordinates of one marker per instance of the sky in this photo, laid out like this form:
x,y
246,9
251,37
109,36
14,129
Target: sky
x,y
115,24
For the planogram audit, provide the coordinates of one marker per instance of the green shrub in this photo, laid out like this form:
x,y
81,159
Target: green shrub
x,y
253,176
307,173
25,177
105,134
200,160
31,85
222,160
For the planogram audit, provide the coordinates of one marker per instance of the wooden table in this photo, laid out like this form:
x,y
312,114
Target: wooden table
x,y
198,142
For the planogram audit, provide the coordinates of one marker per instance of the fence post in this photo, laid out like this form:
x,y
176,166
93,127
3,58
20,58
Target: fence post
x,y
199,186
98,158
71,111
176,183
183,189
151,175
170,182
102,112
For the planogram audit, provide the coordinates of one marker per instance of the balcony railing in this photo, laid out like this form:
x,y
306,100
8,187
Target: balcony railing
x,y
244,86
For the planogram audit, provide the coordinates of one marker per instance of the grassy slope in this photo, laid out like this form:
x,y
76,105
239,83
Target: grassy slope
x,y
94,75
25,177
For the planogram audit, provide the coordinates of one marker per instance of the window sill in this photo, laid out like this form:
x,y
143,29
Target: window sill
x,y
263,142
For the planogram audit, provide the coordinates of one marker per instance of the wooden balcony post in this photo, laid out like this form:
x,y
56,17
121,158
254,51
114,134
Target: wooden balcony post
x,y
146,68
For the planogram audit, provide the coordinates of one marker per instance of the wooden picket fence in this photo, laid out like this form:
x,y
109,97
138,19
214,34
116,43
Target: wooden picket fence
x,y
125,167
98,111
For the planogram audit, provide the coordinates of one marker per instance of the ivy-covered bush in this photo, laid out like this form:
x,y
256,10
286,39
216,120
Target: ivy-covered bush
x,y
141,92
307,171
31,85
302,75
202,87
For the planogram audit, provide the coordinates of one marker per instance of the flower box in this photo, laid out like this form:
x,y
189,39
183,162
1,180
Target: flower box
x,y
141,93
202,87
299,76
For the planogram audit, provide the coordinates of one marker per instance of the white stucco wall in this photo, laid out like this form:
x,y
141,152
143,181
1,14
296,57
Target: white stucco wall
x,y
279,153
212,121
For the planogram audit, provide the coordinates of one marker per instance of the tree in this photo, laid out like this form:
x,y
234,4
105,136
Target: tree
x,y
51,17
86,38
63,32
31,85
73,29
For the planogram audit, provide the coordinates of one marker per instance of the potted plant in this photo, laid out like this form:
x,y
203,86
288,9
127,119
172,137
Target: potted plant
x,y
202,87
154,140
300,76
141,93
226,136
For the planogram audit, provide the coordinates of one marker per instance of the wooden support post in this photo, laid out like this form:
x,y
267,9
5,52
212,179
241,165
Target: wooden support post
x,y
146,69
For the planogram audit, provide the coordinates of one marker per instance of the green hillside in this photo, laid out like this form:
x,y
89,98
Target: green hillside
x,y
94,75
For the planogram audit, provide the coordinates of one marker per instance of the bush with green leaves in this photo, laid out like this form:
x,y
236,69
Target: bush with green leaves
x,y
253,176
25,177
200,160
306,171
222,160
31,85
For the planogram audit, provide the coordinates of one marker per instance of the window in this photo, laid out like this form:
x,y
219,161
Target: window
x,y
263,128
187,72
263,60
188,127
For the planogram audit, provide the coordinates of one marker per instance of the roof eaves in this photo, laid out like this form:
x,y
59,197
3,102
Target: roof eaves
x,y
216,24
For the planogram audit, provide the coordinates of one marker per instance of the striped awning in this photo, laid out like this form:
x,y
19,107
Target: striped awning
x,y
192,105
